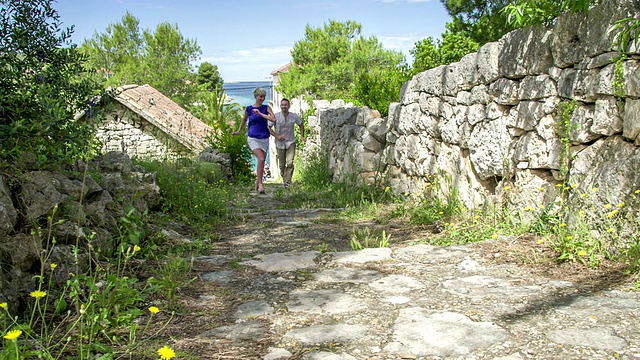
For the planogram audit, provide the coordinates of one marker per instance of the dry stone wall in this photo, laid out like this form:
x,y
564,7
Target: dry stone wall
x,y
490,122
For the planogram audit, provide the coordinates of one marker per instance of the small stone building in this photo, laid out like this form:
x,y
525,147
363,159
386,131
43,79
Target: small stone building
x,y
144,123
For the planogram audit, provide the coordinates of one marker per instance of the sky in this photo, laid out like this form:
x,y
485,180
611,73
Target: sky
x,y
248,39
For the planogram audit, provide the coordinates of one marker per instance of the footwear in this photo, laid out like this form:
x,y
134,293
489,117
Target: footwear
x,y
260,189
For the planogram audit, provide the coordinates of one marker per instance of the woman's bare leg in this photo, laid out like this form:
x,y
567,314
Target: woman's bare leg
x,y
261,156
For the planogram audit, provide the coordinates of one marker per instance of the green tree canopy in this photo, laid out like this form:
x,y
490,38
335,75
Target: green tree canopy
x,y
43,83
480,20
337,62
428,53
209,77
162,58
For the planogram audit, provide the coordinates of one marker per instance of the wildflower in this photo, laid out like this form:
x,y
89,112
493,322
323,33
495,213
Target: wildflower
x,y
569,237
637,191
573,186
567,187
387,189
166,353
620,204
563,225
608,206
136,248
540,241
610,230
4,305
582,253
154,310
594,189
13,334
541,206
494,236
611,214
53,266
583,194
507,188
559,185
38,294
541,188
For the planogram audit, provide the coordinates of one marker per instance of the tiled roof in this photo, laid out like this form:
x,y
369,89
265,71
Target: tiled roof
x,y
165,114
281,69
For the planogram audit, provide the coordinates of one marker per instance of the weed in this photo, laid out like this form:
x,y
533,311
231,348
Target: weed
x,y
362,238
169,278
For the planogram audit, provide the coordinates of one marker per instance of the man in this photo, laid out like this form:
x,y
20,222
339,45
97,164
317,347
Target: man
x,y
283,131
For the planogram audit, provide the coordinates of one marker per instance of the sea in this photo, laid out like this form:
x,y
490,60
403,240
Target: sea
x,y
242,91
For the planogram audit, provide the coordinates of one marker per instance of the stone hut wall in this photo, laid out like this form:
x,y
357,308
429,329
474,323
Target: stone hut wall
x,y
487,126
125,131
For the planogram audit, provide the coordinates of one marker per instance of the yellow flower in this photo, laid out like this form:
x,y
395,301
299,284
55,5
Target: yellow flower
x,y
166,353
494,236
567,187
507,188
541,206
610,230
608,206
13,334
583,194
559,185
387,189
540,241
563,225
154,310
53,266
136,248
4,305
569,237
620,204
582,253
541,188
38,294
637,191
610,215
573,186
594,189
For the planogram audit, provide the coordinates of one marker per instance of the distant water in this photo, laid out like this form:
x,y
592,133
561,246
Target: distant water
x,y
242,92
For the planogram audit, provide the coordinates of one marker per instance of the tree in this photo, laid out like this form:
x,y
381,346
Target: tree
x,y
337,62
43,84
480,20
209,77
162,59
428,53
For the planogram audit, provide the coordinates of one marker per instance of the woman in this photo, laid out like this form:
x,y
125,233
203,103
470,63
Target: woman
x,y
258,116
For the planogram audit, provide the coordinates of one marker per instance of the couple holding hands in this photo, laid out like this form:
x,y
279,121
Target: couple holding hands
x,y
263,123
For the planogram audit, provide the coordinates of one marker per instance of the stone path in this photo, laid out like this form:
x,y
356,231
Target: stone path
x,y
410,302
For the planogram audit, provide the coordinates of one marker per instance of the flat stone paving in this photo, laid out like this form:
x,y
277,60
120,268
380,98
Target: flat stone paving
x,y
420,302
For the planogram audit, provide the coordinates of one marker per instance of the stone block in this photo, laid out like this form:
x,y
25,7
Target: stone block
x,y
536,87
631,121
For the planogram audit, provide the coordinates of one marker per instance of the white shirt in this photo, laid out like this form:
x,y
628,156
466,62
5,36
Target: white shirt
x,y
284,126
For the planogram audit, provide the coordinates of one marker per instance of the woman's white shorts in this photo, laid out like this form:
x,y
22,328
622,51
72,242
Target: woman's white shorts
x,y
258,144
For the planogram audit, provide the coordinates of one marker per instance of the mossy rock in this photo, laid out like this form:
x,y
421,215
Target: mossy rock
x,y
211,172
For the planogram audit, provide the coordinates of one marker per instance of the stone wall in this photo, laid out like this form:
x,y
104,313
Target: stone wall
x,y
490,122
125,131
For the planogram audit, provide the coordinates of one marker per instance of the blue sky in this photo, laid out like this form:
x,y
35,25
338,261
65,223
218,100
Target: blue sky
x,y
247,39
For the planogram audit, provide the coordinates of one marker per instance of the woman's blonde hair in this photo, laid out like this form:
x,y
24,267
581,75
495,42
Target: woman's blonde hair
x,y
259,91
